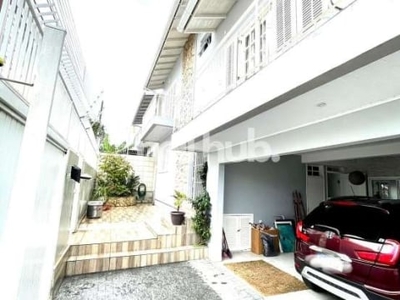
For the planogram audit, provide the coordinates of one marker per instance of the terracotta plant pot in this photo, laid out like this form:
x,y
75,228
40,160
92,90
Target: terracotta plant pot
x,y
177,217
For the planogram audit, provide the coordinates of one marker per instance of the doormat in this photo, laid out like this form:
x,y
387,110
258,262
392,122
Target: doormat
x,y
265,278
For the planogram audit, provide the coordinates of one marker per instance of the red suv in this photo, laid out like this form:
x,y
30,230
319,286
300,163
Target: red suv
x,y
350,246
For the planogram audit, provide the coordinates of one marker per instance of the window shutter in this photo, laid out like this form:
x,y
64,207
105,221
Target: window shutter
x,y
311,11
230,65
283,21
307,13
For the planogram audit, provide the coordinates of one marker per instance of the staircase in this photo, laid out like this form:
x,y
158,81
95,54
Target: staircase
x,y
124,245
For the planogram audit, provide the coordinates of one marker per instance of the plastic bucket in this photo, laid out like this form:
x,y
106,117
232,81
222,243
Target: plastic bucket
x,y
94,209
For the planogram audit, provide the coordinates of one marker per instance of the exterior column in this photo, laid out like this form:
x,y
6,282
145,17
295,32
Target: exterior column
x,y
215,187
19,231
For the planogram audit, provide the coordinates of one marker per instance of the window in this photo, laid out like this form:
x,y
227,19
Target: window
x,y
349,220
250,52
205,43
263,42
313,170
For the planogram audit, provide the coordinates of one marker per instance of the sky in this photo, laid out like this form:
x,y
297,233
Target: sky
x,y
119,41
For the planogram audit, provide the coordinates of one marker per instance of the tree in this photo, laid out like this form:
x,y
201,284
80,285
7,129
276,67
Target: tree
x,y
98,130
107,147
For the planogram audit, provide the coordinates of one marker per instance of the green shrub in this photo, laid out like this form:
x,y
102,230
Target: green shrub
x,y
115,178
202,217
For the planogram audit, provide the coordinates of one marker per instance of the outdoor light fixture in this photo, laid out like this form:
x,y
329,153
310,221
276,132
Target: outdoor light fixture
x,y
77,176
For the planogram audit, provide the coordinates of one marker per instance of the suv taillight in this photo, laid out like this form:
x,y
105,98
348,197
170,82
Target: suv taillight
x,y
389,254
300,234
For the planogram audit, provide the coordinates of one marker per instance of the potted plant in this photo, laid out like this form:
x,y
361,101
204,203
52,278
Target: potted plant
x,y
177,216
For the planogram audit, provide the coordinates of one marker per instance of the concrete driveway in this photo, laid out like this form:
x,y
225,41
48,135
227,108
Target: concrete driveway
x,y
200,279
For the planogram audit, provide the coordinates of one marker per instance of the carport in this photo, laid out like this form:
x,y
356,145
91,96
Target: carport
x,y
379,162
259,191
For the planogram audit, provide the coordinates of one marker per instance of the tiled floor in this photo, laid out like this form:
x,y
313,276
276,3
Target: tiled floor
x,y
139,222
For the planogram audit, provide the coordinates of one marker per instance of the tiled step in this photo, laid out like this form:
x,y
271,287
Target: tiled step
x,y
160,242
92,263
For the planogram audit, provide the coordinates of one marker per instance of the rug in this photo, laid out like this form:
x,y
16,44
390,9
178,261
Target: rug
x,y
265,278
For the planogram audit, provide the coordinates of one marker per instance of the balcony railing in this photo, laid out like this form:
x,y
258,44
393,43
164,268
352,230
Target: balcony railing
x,y
264,32
21,31
20,40
158,119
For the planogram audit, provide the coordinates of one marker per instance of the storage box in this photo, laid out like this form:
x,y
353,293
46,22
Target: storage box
x,y
256,243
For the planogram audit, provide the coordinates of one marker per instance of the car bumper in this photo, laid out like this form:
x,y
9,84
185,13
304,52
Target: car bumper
x,y
336,285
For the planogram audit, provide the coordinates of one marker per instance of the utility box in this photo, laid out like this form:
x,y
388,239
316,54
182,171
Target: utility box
x,y
256,243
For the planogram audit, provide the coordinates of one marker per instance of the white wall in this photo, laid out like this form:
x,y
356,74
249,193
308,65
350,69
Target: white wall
x,y
10,141
40,227
67,208
165,176
264,189
144,167
47,228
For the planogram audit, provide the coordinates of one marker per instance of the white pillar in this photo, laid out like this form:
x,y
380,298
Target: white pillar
x,y
27,178
215,187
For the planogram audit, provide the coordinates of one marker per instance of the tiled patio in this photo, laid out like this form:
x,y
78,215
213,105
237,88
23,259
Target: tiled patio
x,y
131,237
119,224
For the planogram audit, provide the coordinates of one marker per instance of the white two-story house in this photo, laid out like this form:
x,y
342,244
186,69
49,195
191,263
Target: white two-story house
x,y
278,95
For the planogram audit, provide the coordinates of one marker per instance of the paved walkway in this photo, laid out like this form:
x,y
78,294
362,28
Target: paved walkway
x,y
195,280
142,221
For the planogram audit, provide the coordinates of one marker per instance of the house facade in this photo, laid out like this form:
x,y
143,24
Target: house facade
x,y
278,95
44,132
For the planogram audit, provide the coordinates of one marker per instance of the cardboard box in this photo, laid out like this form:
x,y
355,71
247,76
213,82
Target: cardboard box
x,y
256,243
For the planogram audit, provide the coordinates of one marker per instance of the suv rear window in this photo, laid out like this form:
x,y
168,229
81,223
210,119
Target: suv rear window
x,y
393,228
363,222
